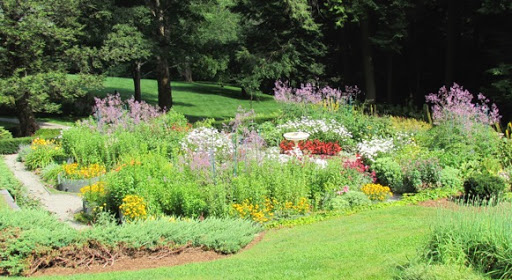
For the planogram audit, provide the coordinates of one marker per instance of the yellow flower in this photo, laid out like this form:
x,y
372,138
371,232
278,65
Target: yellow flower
x,y
133,207
376,191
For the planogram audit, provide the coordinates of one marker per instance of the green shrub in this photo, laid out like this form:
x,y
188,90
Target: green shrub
x,y
438,272
338,203
389,174
422,173
450,178
458,144
11,146
4,133
356,199
484,186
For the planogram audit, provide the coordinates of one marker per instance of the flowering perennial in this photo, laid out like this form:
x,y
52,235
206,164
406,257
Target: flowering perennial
x,y
311,94
40,143
456,104
74,171
268,210
315,127
376,191
205,139
369,149
133,207
112,113
315,147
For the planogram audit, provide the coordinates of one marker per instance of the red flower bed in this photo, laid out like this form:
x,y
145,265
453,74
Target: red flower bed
x,y
315,147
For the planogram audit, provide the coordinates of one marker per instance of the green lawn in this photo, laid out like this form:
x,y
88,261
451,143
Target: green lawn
x,y
368,245
197,100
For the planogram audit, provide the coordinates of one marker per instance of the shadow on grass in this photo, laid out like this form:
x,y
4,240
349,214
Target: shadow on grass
x,y
127,94
217,90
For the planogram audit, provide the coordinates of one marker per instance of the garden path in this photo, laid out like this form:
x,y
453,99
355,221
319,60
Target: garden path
x,y
41,124
64,206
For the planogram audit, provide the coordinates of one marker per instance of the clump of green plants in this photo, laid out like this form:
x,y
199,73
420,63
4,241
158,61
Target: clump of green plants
x,y
475,236
4,133
42,153
484,186
422,271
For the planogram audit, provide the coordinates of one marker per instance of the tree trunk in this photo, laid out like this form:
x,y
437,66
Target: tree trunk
x,y
28,124
136,81
450,42
345,56
369,75
164,84
389,78
187,73
162,64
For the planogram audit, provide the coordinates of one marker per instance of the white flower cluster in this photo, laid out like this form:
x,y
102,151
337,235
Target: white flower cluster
x,y
205,139
311,126
369,149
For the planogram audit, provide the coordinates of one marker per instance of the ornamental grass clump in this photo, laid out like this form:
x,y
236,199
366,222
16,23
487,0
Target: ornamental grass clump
x,y
475,236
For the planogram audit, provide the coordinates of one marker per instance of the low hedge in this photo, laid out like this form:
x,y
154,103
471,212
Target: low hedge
x,y
11,146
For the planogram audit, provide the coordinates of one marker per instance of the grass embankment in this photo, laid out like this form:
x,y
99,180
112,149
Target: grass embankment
x,y
11,184
368,245
197,100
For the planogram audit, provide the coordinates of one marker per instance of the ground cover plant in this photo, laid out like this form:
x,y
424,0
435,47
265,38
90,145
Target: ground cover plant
x,y
32,239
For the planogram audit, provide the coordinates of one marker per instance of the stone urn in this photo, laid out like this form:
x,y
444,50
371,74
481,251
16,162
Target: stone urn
x,y
296,137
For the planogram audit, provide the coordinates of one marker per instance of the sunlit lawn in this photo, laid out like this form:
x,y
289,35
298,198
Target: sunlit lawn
x,y
367,245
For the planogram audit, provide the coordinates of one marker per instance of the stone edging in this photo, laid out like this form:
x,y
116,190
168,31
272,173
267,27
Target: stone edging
x,y
4,194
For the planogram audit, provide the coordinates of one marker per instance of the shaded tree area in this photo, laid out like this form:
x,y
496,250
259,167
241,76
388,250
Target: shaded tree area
x,y
395,50
415,47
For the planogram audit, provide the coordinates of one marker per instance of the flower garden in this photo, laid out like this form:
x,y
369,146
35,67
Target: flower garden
x,y
148,169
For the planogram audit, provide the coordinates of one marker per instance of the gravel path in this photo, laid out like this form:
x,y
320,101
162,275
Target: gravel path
x,y
41,124
64,206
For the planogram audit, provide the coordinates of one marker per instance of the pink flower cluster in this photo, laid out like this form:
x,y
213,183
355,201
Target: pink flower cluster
x,y
311,94
343,191
456,104
112,113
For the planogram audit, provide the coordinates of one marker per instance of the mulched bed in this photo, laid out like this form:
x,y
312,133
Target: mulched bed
x,y
96,259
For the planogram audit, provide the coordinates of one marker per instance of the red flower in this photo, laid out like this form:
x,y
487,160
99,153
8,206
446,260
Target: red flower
x,y
315,147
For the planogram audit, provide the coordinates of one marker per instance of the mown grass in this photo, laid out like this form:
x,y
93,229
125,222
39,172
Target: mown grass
x,y
368,245
197,100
